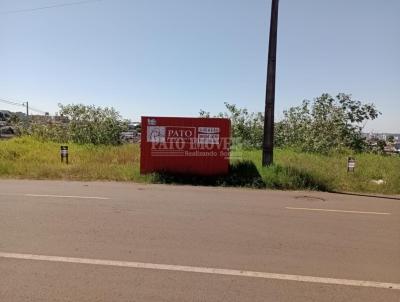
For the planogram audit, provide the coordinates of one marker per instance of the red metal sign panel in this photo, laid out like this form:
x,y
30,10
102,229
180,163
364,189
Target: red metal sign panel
x,y
197,146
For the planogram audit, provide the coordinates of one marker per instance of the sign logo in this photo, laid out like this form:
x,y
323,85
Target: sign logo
x,y
181,134
178,134
156,134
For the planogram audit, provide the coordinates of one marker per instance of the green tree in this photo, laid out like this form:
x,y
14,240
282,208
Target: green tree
x,y
247,128
80,124
327,124
91,124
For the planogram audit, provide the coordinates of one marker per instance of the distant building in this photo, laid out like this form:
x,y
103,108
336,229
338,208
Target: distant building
x,y
5,115
371,137
133,133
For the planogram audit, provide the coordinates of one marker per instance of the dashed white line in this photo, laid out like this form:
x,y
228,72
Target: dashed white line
x,y
67,196
204,270
338,211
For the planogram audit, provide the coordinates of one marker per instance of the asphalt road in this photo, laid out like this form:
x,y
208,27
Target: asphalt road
x,y
74,241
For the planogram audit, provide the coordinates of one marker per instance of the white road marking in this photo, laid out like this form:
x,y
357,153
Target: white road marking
x,y
66,196
338,211
203,270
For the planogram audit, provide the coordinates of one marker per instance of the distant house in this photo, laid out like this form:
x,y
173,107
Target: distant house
x,y
6,131
5,115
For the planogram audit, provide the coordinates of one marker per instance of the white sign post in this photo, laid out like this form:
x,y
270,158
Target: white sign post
x,y
351,164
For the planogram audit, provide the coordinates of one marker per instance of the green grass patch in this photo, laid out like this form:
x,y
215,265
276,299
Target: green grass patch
x,y
293,170
32,159
28,158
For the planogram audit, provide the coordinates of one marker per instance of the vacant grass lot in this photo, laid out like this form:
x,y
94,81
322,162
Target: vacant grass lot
x,y
28,158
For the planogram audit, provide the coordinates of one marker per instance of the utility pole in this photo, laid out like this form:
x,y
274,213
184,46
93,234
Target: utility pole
x,y
269,120
27,109
27,113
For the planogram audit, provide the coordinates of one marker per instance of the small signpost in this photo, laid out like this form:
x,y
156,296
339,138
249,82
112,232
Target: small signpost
x,y
351,164
64,154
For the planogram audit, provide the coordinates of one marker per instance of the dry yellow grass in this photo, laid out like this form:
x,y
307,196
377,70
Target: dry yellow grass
x,y
29,158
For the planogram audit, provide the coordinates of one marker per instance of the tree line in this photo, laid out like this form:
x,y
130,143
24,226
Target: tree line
x,y
77,123
323,125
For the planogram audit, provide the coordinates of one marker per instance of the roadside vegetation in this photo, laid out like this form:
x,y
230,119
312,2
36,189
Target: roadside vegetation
x,y
30,158
314,141
77,123
324,125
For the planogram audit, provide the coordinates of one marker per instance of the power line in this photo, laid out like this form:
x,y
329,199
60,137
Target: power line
x,y
11,103
28,10
22,105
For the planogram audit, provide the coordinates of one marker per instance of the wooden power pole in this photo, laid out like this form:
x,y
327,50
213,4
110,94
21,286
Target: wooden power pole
x,y
269,120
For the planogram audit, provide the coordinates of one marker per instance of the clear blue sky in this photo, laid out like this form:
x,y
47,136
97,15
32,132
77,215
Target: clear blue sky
x,y
159,57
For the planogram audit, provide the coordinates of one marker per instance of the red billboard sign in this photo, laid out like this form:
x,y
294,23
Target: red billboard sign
x,y
198,146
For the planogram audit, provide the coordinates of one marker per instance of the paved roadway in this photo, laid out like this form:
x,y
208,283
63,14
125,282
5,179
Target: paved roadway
x,y
74,241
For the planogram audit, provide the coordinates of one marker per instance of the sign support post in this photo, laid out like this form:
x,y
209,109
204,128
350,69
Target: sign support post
x,y
351,164
64,154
